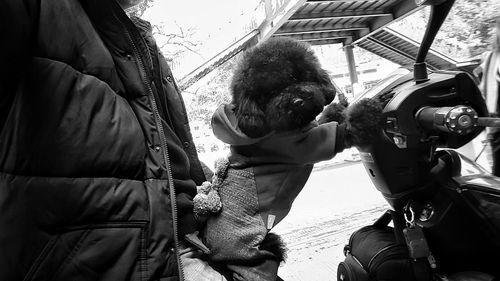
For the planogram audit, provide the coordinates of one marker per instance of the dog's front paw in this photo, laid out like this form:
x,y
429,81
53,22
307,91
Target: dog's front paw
x,y
364,122
333,112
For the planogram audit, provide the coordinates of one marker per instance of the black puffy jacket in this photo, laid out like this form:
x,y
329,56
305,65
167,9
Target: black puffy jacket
x,y
97,162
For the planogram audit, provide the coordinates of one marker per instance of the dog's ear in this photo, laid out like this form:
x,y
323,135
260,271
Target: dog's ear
x,y
251,119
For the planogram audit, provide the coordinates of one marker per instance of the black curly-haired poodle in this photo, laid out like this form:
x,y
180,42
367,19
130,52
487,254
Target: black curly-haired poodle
x,y
279,85
279,89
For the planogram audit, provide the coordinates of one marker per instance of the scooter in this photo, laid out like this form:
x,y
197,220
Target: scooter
x,y
445,207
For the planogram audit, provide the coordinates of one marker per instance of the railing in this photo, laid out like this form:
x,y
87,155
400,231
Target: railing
x,y
248,40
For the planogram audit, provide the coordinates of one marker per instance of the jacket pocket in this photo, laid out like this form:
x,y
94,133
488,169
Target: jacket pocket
x,y
111,251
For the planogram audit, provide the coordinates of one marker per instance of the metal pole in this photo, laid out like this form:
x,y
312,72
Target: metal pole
x,y
351,64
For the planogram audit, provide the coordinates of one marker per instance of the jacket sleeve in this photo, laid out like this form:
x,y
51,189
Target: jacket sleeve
x,y
309,146
317,144
17,28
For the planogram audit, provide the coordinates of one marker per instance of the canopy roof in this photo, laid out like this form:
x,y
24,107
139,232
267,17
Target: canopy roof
x,y
361,23
342,21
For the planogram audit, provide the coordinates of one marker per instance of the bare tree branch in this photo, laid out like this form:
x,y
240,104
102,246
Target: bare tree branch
x,y
180,41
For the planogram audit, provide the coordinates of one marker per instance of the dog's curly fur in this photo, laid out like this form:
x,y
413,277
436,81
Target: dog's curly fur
x,y
279,85
274,244
364,120
335,111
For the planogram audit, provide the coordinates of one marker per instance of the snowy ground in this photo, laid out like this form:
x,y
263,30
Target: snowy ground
x,y
338,199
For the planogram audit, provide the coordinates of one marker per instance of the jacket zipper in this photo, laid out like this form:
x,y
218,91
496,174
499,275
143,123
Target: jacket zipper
x,y
163,143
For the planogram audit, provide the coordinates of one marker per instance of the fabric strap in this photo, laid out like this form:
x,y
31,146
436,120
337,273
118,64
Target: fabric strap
x,y
420,266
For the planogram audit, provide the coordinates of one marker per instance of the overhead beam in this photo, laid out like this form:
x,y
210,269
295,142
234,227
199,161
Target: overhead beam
x,y
324,41
392,49
311,38
416,45
337,1
273,22
342,34
402,9
308,29
341,15
380,51
324,38
405,47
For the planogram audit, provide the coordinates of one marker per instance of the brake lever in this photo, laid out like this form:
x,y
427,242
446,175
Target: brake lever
x,y
488,121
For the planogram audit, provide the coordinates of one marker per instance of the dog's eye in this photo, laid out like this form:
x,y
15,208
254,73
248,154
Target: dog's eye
x,y
298,102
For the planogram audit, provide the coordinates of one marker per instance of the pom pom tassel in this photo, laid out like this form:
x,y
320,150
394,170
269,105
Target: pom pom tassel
x,y
207,200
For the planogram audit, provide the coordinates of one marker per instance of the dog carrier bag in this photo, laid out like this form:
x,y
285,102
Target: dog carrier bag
x,y
373,253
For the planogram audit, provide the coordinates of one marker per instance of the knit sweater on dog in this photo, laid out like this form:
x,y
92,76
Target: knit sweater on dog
x,y
264,177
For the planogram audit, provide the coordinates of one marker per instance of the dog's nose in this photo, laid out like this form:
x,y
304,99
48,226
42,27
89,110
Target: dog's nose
x,y
298,102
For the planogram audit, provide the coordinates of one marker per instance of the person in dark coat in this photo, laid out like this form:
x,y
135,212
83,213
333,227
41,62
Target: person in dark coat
x,y
489,72
97,164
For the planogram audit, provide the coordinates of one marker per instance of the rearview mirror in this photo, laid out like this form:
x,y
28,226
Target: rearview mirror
x,y
439,11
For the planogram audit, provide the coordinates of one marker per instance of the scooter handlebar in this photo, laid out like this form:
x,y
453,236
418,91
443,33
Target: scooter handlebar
x,y
459,119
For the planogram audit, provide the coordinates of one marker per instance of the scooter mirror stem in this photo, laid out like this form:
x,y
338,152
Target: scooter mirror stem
x,y
437,16
420,72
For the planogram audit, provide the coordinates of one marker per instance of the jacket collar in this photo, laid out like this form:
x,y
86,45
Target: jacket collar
x,y
113,25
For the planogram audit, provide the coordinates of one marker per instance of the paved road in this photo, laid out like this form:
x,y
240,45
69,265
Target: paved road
x,y
335,201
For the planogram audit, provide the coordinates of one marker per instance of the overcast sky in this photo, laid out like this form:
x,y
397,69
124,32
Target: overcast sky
x,y
216,23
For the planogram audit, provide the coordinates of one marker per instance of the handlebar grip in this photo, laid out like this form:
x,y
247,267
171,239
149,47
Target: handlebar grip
x,y
459,119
